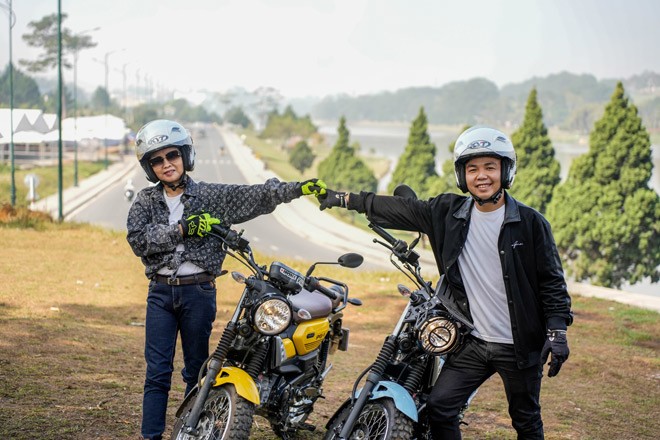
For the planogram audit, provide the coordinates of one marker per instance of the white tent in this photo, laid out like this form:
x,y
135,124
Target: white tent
x,y
101,128
20,120
24,137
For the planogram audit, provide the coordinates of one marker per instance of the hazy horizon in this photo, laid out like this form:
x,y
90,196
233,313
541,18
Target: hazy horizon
x,y
320,48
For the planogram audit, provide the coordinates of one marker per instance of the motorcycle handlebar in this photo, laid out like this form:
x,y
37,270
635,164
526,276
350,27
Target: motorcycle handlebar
x,y
232,238
313,284
398,247
384,234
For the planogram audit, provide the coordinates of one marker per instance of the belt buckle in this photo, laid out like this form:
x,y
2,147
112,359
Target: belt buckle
x,y
173,281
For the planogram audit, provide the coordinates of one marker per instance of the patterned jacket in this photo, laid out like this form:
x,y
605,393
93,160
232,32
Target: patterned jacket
x,y
154,240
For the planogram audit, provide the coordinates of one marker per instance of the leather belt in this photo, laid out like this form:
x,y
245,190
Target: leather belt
x,y
198,278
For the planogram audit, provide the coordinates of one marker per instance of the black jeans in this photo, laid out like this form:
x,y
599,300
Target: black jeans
x,y
466,370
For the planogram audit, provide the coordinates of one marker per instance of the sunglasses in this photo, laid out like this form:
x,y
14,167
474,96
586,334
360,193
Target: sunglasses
x,y
159,161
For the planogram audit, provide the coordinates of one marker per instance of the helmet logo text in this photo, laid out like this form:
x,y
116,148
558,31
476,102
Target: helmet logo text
x,y
157,139
478,144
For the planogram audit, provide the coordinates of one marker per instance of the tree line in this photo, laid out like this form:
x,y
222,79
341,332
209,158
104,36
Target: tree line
x,y
605,216
571,102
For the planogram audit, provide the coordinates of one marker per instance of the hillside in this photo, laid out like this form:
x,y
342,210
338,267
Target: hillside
x,y
569,101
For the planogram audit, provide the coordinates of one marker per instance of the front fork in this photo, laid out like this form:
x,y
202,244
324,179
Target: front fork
x,y
214,366
374,376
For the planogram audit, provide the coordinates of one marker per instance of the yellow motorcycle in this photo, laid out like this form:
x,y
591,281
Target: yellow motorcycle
x,y
272,357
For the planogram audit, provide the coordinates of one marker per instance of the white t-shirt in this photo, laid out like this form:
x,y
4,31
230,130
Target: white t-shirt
x,y
176,212
481,270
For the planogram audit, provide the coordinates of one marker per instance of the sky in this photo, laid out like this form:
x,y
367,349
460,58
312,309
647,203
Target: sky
x,y
323,47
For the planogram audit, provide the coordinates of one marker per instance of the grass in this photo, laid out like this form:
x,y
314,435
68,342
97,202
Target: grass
x,y
72,305
48,179
270,152
277,159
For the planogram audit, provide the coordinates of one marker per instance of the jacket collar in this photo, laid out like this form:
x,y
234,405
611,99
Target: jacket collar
x,y
191,190
511,211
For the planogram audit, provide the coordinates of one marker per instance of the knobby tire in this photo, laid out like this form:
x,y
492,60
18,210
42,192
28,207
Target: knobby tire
x,y
222,403
379,420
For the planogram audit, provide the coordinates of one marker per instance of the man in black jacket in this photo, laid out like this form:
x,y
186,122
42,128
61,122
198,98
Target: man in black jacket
x,y
502,264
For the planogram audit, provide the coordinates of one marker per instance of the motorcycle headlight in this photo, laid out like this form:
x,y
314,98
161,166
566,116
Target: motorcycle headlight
x,y
272,316
438,335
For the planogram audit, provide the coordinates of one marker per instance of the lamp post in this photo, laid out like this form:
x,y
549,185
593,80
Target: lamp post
x,y
107,91
60,210
12,22
76,50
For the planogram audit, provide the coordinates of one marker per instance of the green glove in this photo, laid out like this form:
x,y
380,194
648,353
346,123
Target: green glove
x,y
198,224
312,186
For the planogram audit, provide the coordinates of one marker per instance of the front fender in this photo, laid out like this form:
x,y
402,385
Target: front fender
x,y
244,384
402,399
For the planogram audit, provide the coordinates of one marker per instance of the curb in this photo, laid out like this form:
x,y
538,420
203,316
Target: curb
x,y
621,296
76,196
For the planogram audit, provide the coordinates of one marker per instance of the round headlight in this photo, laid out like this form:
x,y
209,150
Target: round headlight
x,y
272,316
438,335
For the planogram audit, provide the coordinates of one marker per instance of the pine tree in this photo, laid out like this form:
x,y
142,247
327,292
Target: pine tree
x,y
606,217
538,170
26,90
342,169
416,166
301,157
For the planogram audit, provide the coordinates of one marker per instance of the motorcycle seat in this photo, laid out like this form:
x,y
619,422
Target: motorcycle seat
x,y
316,303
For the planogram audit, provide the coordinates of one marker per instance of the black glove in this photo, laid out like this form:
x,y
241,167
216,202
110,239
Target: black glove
x,y
198,224
312,186
558,346
332,198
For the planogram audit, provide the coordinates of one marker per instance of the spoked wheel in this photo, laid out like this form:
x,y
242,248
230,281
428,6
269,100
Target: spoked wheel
x,y
379,420
225,416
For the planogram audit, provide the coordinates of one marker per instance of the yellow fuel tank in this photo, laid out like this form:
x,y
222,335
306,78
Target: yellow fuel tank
x,y
309,335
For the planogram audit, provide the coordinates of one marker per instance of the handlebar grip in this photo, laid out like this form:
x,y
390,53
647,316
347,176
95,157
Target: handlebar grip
x,y
313,284
220,230
232,238
384,234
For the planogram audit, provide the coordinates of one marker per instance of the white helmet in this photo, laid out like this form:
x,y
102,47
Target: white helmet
x,y
159,134
481,141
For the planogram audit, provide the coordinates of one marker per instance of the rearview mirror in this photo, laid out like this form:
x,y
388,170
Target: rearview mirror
x,y
350,260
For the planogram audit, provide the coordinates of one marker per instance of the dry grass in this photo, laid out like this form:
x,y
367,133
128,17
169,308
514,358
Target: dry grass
x,y
71,367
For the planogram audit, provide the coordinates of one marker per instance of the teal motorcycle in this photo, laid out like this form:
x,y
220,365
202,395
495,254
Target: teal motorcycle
x,y
392,403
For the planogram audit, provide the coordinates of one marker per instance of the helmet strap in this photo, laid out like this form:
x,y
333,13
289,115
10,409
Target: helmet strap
x,y
180,184
492,199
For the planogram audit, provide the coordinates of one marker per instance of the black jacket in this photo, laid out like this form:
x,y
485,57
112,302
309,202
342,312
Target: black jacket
x,y
533,276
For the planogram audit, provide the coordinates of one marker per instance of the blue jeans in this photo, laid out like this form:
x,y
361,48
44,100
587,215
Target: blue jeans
x,y
466,370
189,310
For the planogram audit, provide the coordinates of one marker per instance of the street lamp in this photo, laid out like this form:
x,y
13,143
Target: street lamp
x,y
107,91
12,22
76,50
